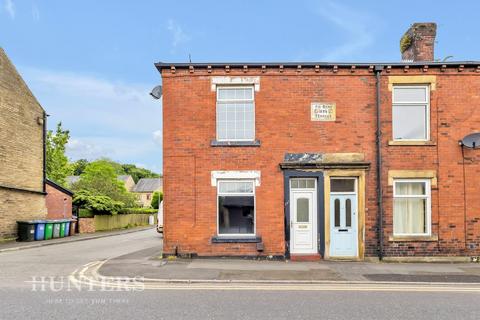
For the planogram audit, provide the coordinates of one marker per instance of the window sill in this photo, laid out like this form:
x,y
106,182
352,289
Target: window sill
x,y
239,239
216,143
433,237
411,143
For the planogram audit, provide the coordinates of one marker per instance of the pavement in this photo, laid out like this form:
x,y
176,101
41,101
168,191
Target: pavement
x,y
15,245
66,282
148,263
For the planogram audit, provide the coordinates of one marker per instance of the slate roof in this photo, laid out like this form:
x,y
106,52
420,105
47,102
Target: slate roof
x,y
148,185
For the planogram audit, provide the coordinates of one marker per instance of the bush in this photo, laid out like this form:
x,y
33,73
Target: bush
x,y
156,199
85,213
96,203
138,211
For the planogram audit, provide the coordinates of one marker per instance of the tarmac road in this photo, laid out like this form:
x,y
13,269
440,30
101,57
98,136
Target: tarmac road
x,y
24,297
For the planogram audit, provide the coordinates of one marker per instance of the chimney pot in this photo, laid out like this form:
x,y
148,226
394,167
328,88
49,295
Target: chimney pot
x,y
417,44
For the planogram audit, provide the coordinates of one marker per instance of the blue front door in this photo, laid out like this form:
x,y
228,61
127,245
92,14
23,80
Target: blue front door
x,y
343,225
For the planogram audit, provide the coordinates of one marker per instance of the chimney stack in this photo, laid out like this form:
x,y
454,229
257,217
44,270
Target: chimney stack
x,y
417,44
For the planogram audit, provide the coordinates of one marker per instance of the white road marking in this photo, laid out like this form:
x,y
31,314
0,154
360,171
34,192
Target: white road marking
x,y
89,276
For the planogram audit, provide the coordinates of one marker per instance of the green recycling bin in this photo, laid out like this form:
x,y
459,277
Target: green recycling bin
x,y
48,229
56,228
62,228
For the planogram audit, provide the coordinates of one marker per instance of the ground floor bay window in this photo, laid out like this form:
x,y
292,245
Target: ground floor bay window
x,y
236,207
411,207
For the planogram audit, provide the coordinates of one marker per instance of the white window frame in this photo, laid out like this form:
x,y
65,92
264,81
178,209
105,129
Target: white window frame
x,y
251,87
413,103
427,196
238,235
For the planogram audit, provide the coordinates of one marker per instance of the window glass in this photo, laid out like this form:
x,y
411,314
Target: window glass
x,y
303,210
236,214
337,212
235,114
410,112
235,186
302,183
409,122
236,207
409,94
342,185
410,188
409,216
348,213
411,207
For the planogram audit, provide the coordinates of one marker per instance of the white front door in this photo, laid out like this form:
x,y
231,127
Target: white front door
x,y
303,225
343,225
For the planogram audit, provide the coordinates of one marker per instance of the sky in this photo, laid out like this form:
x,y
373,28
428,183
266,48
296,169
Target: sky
x,y
90,63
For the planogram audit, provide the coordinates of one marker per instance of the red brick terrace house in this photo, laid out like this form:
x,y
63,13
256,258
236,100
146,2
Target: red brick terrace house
x,y
282,159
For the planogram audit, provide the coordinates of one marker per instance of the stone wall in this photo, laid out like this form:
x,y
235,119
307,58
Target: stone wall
x,y
21,151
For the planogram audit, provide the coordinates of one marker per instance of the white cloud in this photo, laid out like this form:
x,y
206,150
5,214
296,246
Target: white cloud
x,y
356,24
35,13
106,118
179,37
158,137
10,8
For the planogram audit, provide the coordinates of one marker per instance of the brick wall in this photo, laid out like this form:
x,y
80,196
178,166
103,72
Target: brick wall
x,y
282,108
21,151
59,204
86,225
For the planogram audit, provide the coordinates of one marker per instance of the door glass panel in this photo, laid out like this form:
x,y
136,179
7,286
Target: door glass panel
x,y
342,185
294,183
302,183
311,183
303,210
337,212
348,213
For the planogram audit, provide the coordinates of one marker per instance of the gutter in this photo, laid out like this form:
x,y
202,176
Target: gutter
x,y
378,71
182,65
44,152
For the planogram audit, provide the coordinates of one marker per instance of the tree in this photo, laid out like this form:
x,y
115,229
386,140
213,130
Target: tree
x,y
100,179
57,166
98,204
79,166
156,199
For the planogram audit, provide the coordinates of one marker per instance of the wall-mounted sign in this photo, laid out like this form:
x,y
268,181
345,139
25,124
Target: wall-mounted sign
x,y
322,111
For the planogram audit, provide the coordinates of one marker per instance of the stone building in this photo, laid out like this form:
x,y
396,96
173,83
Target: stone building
x,y
323,159
145,188
22,153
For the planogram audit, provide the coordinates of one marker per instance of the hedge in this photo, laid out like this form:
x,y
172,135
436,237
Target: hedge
x,y
85,213
138,211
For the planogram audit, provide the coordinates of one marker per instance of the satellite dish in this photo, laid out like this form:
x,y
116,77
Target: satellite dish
x,y
156,92
471,141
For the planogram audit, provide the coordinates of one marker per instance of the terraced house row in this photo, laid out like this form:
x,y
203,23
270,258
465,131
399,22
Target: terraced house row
x,y
323,160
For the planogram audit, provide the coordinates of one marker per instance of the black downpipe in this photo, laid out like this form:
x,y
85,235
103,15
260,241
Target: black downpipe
x,y
378,71
44,152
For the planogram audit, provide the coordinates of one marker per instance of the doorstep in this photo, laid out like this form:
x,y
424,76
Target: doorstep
x,y
312,257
